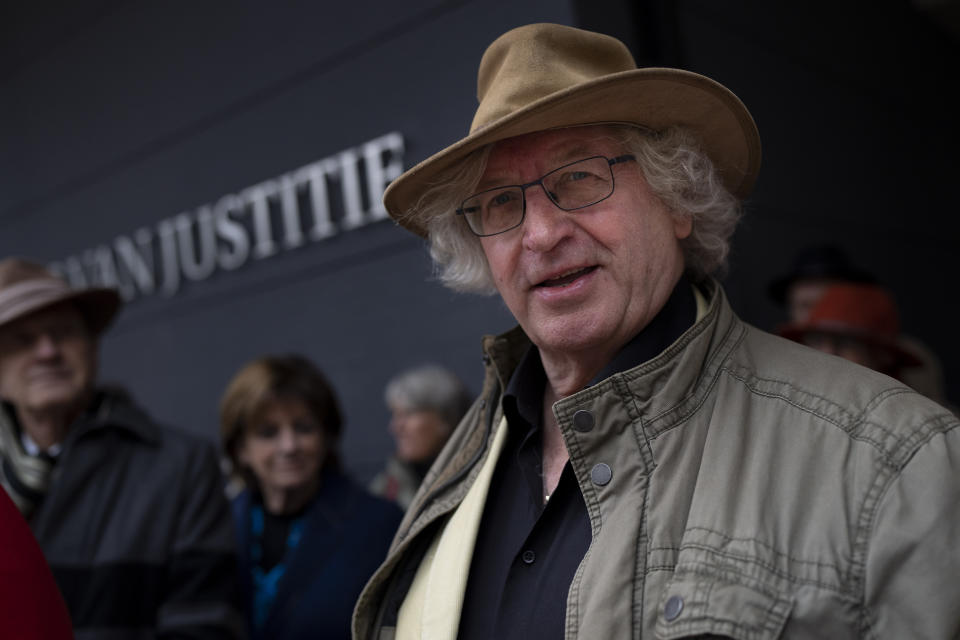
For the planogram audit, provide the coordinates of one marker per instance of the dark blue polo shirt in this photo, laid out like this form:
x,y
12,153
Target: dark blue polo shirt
x,y
527,552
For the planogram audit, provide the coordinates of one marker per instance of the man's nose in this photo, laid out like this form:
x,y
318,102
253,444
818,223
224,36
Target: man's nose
x,y
46,346
544,224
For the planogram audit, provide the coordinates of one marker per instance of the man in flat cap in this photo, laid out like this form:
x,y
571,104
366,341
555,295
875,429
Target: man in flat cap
x,y
131,516
641,463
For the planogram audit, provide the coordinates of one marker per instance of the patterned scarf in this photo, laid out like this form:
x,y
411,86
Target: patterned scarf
x,y
24,477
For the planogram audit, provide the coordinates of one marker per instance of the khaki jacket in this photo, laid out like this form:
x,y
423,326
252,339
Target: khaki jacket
x,y
759,489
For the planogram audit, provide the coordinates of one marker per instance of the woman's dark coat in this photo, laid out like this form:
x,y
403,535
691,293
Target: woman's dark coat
x,y
346,536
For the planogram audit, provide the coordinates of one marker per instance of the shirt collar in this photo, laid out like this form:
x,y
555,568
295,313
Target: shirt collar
x,y
33,449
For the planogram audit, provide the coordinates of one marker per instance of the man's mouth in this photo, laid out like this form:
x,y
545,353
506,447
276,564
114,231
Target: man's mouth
x,y
48,375
565,279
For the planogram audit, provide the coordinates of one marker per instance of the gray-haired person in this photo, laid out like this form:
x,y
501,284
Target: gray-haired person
x,y
130,515
640,462
425,403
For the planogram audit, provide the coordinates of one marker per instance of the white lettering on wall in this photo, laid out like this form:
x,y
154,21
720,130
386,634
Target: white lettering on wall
x,y
332,195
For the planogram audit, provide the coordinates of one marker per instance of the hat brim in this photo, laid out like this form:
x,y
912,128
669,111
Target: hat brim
x,y
654,98
98,305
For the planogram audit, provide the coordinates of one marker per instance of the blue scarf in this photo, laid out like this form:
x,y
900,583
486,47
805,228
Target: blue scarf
x,y
265,583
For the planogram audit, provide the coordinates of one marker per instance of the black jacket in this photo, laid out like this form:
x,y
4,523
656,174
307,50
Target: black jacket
x,y
136,529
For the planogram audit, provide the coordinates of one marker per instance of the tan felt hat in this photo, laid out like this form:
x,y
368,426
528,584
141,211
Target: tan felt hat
x,y
548,76
26,287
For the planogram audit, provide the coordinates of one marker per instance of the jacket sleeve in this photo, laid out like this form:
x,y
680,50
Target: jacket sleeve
x,y
912,585
201,572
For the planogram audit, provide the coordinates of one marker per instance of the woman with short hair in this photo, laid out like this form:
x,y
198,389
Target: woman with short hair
x,y
309,537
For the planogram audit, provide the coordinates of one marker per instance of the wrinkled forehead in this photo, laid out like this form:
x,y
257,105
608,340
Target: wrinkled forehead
x,y
545,150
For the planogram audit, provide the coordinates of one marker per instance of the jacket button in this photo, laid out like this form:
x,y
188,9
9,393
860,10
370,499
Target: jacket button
x,y
483,403
528,556
486,359
601,474
583,421
673,607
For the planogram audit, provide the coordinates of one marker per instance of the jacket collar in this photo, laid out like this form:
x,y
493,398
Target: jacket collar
x,y
110,408
115,409
524,393
663,384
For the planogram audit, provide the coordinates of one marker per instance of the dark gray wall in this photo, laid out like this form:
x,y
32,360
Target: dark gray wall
x,y
117,115
858,120
857,114
120,115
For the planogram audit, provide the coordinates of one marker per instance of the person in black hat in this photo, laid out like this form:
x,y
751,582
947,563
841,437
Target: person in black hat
x,y
818,268
858,322
131,516
813,271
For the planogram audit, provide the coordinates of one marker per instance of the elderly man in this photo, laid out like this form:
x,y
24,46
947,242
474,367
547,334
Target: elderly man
x,y
130,516
641,463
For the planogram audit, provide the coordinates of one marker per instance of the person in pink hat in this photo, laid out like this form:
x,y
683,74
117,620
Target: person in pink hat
x,y
131,516
640,462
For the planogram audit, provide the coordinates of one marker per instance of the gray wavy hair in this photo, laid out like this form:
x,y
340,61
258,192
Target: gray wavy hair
x,y
430,387
679,173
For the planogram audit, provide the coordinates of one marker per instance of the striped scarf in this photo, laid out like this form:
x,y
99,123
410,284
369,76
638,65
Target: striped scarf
x,y
24,477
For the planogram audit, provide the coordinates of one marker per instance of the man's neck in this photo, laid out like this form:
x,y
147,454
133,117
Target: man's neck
x,y
568,373
49,427
554,452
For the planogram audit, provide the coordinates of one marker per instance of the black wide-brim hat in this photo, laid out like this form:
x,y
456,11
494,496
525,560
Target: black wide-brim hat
x,y
549,76
825,262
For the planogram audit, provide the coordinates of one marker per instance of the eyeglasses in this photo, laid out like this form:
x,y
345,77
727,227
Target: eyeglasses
x,y
573,186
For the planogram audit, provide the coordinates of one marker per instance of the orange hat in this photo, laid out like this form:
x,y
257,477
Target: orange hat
x,y
866,312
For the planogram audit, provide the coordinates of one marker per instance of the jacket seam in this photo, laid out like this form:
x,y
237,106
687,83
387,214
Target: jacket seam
x,y
850,428
693,402
640,572
880,487
769,567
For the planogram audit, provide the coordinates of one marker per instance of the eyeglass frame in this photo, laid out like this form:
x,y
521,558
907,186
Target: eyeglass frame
x,y
539,181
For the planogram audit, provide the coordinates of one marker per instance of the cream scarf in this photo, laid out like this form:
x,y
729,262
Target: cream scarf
x,y
431,610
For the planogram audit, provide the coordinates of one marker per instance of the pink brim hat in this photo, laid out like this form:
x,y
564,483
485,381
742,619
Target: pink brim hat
x,y
26,287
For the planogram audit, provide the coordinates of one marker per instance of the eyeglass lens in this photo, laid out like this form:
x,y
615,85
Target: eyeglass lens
x,y
573,186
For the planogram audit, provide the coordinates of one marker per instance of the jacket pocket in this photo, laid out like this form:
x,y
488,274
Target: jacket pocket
x,y
694,606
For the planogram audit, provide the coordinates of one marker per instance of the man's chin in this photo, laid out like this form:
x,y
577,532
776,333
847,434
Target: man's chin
x,y
55,400
570,332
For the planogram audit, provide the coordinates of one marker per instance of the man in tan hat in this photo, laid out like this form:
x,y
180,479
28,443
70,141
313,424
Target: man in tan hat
x,y
130,516
641,463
